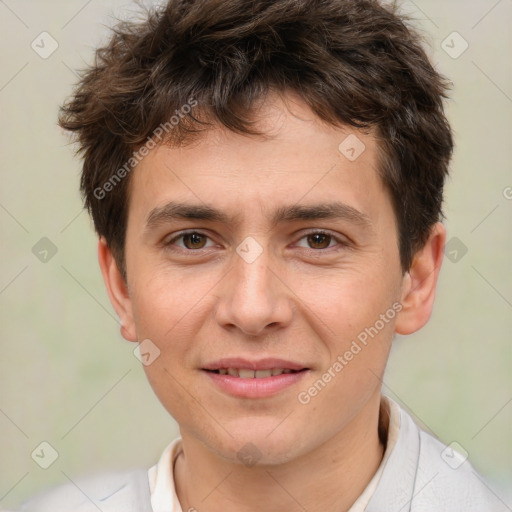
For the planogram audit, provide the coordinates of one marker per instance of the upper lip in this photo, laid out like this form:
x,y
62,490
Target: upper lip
x,y
260,364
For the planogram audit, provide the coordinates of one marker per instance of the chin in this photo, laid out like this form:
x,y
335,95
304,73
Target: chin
x,y
261,446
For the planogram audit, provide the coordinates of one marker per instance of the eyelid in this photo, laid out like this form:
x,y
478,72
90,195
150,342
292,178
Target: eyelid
x,y
181,234
342,240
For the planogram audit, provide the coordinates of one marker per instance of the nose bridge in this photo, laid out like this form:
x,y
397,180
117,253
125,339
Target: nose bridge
x,y
252,272
253,298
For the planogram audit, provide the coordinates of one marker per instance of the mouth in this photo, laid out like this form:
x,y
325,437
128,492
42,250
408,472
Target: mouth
x,y
254,379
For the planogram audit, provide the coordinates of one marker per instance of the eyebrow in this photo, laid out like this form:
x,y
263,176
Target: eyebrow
x,y
330,211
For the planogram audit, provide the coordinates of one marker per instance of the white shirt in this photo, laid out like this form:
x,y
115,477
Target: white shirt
x,y
418,473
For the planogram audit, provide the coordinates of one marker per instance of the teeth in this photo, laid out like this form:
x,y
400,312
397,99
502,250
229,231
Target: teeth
x,y
263,373
244,373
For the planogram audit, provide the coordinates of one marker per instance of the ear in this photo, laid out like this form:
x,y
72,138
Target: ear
x,y
117,290
419,283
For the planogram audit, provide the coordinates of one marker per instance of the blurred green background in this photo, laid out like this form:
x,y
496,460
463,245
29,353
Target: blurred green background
x,y
67,376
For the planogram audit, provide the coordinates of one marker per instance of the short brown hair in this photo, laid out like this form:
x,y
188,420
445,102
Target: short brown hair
x,y
353,62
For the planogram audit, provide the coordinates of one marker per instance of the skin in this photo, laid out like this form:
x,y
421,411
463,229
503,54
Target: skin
x,y
303,299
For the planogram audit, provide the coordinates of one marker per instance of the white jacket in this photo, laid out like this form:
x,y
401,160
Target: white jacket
x,y
420,475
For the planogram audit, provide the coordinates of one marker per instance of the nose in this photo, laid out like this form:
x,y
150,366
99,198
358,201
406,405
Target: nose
x,y
253,296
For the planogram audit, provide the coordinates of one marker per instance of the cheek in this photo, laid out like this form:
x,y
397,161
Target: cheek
x,y
179,396
164,299
356,314
348,301
354,370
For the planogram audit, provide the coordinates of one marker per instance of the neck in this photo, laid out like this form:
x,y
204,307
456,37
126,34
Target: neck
x,y
329,478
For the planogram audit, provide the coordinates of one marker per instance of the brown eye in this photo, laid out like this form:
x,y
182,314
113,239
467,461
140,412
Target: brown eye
x,y
319,240
194,240
322,242
188,242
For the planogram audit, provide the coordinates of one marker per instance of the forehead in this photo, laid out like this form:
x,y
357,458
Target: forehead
x,y
298,161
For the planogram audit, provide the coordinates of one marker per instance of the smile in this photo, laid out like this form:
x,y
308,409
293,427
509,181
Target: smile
x,y
246,383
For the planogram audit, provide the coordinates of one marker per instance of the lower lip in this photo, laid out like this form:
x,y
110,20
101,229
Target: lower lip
x,y
255,388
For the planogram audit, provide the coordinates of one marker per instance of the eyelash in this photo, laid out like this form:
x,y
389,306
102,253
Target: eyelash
x,y
169,245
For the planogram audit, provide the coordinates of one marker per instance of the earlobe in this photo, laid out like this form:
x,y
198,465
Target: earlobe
x,y
419,283
117,290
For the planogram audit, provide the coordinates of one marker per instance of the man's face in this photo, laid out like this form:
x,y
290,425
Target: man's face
x,y
300,289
